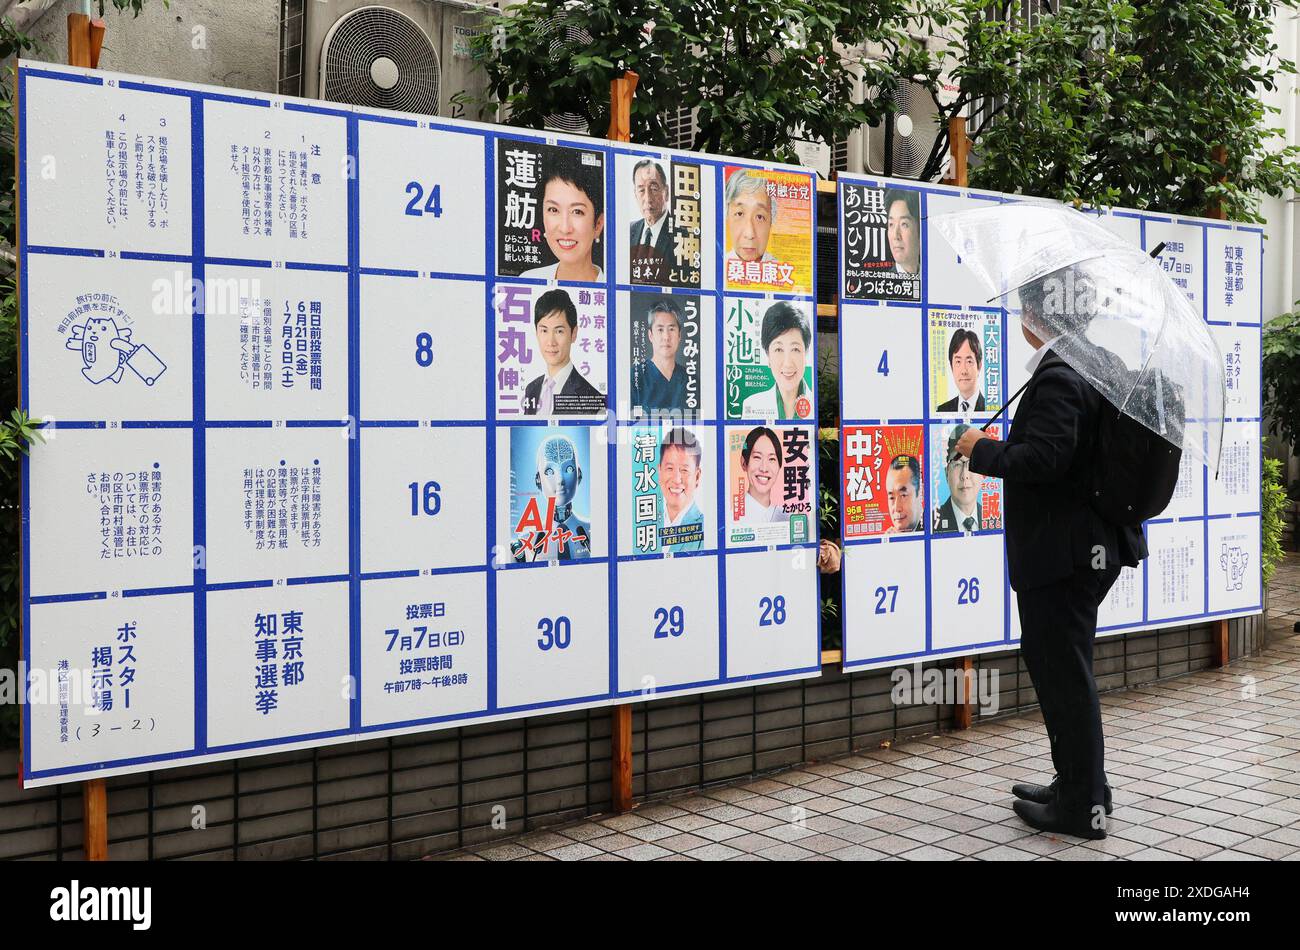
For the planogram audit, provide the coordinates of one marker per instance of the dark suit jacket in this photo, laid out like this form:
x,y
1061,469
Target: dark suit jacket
x,y
951,404
575,385
1046,466
946,518
663,240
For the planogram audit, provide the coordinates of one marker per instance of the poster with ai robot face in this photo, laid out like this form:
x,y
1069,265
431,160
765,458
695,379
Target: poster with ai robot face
x,y
362,423
924,355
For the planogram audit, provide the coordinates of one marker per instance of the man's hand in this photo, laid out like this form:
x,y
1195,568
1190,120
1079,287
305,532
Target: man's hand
x,y
828,557
968,440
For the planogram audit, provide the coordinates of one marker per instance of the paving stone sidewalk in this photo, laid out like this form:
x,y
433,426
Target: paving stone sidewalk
x,y
1204,767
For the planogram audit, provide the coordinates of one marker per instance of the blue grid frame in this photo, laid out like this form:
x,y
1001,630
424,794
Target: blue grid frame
x,y
355,577
863,658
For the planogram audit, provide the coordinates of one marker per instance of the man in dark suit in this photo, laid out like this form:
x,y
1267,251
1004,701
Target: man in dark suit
x,y
964,359
1062,558
561,390
961,512
650,238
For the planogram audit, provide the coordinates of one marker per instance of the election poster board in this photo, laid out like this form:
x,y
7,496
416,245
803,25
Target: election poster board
x,y
925,354
362,423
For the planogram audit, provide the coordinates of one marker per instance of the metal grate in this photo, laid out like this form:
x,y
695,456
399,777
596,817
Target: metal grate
x,y
380,58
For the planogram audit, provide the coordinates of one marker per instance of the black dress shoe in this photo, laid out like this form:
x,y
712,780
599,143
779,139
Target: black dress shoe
x,y
1044,794
1053,818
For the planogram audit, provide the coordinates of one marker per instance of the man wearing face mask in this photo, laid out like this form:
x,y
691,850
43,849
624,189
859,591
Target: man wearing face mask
x,y
961,512
558,477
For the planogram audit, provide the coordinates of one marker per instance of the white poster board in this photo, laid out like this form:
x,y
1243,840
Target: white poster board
x,y
362,423
919,583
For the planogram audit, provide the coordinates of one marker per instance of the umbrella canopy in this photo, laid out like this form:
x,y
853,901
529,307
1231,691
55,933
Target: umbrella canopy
x,y
1107,308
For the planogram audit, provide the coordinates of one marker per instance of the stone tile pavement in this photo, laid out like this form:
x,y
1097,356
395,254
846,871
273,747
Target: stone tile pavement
x,y
1204,767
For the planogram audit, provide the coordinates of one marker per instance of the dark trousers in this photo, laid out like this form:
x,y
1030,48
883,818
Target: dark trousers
x,y
1058,623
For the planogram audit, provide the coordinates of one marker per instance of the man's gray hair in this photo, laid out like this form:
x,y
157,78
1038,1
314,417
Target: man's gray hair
x,y
745,182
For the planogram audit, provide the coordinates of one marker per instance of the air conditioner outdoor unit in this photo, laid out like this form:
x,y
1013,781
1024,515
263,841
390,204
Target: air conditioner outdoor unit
x,y
407,55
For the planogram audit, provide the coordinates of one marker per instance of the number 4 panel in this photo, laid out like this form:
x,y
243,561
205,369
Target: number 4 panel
x,y
882,362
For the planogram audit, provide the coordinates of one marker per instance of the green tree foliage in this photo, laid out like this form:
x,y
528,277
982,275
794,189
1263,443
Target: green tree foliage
x,y
762,73
1124,103
1281,371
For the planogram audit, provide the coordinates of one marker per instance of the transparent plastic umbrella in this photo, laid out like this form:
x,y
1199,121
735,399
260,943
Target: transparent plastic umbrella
x,y
1115,315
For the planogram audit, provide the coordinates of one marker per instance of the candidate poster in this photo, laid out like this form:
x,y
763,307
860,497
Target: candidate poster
x,y
665,206
664,355
961,500
551,357
550,496
550,211
965,361
768,359
770,496
670,477
768,218
883,480
880,243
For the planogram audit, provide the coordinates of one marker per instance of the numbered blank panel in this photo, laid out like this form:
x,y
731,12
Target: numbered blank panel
x,y
884,600
277,503
667,623
423,648
1233,272
1239,348
422,348
1175,570
422,198
83,175
277,662
423,496
275,184
966,591
1122,606
108,339
1183,257
115,510
949,282
552,635
772,610
1236,489
881,375
275,344
155,718
1233,558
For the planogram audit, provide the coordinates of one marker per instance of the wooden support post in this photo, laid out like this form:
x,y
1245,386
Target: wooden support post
x,y
85,40
94,819
620,727
1222,654
79,40
958,147
963,713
